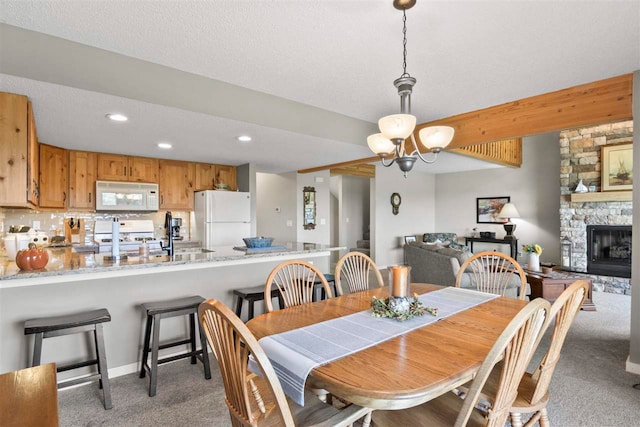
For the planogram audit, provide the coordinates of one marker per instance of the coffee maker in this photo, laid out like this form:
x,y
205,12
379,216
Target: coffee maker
x,y
176,223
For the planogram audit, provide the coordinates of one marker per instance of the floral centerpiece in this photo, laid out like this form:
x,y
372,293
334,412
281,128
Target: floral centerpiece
x,y
404,308
534,250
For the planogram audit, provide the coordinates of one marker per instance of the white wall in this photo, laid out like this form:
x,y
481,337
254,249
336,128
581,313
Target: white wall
x,y
534,188
320,181
416,214
354,210
277,191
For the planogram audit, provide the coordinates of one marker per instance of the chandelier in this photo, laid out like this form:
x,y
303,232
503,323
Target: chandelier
x,y
396,128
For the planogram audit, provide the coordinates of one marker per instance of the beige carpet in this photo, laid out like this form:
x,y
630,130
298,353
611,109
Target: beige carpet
x,y
590,388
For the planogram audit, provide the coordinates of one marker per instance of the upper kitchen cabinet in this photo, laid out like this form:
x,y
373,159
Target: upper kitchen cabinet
x,y
226,175
83,167
116,167
18,152
176,184
205,176
53,177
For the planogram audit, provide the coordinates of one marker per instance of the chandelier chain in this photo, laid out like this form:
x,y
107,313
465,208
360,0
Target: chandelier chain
x,y
404,44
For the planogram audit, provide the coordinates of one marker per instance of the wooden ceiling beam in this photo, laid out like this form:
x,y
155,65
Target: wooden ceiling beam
x,y
590,104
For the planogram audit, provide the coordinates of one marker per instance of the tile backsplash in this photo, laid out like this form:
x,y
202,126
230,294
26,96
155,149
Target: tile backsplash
x,y
51,222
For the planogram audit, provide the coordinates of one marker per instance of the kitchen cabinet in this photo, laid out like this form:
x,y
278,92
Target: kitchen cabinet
x,y
208,175
226,175
83,167
116,167
205,176
19,155
177,183
53,177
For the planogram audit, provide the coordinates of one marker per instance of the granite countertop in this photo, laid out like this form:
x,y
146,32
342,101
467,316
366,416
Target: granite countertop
x,y
66,261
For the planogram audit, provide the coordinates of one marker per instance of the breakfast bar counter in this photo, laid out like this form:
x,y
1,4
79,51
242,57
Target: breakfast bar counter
x,y
67,264
73,282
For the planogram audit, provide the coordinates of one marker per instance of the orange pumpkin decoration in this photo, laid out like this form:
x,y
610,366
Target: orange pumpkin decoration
x,y
32,258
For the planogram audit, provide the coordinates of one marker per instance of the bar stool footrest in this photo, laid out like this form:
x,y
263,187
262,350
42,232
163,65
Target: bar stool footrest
x,y
173,344
82,380
62,368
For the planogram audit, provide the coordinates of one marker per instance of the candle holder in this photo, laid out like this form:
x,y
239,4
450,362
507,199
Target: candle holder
x,y
399,305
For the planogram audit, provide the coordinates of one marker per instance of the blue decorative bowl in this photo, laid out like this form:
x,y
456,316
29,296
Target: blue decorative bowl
x,y
258,242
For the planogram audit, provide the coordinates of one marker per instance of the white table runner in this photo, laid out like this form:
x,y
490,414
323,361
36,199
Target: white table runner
x,y
295,353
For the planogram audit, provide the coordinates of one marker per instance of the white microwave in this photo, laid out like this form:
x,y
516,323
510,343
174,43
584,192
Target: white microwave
x,y
126,196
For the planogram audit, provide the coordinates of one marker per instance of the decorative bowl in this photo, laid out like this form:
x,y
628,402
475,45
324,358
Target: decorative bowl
x,y
221,186
258,242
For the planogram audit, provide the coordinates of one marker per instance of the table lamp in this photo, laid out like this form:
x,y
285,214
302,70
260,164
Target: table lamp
x,y
509,211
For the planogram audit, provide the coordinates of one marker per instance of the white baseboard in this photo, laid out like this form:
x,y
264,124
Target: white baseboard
x,y
634,368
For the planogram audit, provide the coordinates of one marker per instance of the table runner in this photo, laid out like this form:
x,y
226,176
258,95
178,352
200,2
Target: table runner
x,y
295,353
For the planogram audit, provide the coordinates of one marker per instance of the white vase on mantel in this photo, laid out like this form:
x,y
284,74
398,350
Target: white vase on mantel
x,y
534,261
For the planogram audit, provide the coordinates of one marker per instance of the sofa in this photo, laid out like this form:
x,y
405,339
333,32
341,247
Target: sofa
x,y
434,263
438,264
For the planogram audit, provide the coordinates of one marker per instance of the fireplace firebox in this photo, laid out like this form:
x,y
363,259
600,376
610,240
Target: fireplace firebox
x,y
609,250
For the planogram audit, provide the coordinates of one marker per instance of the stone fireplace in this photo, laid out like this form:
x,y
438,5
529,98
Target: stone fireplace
x,y
580,151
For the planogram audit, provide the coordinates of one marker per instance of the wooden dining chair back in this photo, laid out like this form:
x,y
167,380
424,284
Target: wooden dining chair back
x,y
232,343
534,388
296,281
354,269
514,347
492,272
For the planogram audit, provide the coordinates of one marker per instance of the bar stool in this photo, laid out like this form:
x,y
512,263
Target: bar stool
x,y
331,280
155,311
253,295
49,327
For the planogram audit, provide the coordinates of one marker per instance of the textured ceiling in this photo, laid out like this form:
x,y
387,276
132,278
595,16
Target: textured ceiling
x,y
341,56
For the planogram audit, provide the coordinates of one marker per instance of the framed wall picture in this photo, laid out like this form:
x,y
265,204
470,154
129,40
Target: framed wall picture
x,y
617,167
488,208
408,239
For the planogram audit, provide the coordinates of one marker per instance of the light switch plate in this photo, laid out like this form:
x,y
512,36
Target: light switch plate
x,y
323,221
289,223
35,225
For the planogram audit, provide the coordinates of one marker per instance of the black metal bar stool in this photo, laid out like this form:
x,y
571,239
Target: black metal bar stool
x,y
155,311
331,280
252,295
49,327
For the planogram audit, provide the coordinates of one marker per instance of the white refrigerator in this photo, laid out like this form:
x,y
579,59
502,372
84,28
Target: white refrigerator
x,y
222,218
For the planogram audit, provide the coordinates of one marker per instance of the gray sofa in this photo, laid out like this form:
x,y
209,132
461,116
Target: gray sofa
x,y
433,263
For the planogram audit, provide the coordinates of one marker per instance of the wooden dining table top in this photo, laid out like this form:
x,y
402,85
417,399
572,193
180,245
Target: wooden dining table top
x,y
29,397
407,370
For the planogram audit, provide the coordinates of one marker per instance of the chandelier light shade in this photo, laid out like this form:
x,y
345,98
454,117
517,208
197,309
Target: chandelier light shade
x,y
396,128
436,137
379,144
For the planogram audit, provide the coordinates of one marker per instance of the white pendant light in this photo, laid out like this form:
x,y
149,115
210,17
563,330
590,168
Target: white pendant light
x,y
396,128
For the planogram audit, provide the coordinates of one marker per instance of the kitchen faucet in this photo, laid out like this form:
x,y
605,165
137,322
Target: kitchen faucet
x,y
167,230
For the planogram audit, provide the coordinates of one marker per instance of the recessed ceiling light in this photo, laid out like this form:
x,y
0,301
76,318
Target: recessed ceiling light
x,y
244,138
117,117
164,145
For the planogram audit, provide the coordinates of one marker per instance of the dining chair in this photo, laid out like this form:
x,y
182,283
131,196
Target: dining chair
x,y
515,347
296,282
233,343
493,272
533,391
354,269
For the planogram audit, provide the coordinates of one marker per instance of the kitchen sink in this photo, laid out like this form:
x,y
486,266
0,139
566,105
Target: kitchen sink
x,y
192,251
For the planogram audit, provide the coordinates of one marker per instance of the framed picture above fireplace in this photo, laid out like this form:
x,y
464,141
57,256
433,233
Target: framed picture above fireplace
x,y
617,167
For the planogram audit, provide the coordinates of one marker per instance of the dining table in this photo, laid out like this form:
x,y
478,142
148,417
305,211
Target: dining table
x,y
409,369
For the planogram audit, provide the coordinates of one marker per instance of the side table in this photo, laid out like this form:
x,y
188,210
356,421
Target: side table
x,y
550,286
513,243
